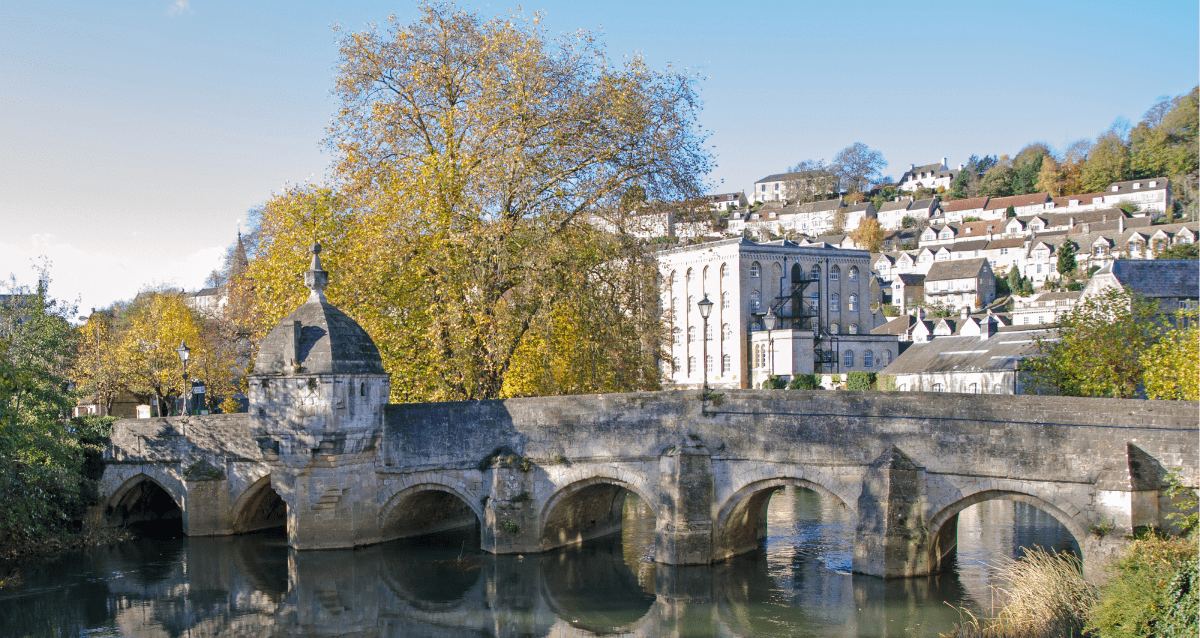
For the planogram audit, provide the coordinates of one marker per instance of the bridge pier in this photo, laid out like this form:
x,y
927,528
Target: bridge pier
x,y
684,532
892,533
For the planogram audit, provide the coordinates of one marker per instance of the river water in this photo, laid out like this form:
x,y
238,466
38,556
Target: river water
x,y
797,584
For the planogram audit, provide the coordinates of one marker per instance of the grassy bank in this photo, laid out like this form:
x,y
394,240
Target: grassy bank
x,y
1152,590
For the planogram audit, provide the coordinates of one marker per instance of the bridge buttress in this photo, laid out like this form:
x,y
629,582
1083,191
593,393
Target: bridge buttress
x,y
684,533
892,531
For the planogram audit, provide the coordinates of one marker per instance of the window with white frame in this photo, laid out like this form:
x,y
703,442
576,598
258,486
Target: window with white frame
x,y
853,273
708,364
676,332
835,302
755,269
853,328
691,334
868,359
887,357
834,271
724,270
833,328
815,273
726,364
675,365
937,387
691,365
852,303
755,300
726,332
725,300
847,358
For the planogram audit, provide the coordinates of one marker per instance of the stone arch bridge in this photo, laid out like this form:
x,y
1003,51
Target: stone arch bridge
x,y
541,473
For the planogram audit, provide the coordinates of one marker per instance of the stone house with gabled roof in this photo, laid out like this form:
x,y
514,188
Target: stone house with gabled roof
x,y
784,186
725,201
1173,284
1043,308
1076,203
895,239
955,211
1005,253
1024,205
891,214
961,283
908,291
1151,195
932,176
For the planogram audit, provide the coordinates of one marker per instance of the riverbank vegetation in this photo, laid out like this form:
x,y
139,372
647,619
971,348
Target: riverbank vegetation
x,y
1152,589
49,463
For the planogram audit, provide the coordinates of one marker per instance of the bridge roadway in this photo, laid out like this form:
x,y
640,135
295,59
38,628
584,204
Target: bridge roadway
x,y
323,455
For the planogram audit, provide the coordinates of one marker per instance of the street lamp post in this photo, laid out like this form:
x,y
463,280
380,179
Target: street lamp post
x,y
183,351
705,307
770,320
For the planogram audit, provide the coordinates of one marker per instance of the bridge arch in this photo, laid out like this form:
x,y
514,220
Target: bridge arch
x,y
742,520
424,508
943,526
147,499
259,507
590,508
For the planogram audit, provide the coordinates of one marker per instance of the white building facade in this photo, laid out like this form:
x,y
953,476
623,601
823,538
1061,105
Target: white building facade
x,y
818,296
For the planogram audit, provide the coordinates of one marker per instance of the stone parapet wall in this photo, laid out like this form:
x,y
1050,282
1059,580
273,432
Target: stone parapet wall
x,y
1045,438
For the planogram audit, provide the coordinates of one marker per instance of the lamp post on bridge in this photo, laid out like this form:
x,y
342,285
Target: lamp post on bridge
x,y
183,351
770,320
705,307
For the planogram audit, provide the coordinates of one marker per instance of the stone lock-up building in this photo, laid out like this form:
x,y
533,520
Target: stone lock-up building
x,y
323,454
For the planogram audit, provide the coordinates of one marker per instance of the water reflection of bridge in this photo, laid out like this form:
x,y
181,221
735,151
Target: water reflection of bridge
x,y
255,585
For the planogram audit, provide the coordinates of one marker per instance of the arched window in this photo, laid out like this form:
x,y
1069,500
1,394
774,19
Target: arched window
x,y
676,332
691,365
973,388
815,273
704,280
868,359
853,328
887,357
674,302
724,270
755,269
725,300
834,271
852,303
835,302
708,364
726,361
755,300
937,387
726,332
674,277
691,334
691,303
847,358
675,365
688,277
833,328
996,389
853,273
708,328
814,301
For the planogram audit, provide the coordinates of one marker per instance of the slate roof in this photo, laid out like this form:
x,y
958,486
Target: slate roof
x,y
911,279
926,204
1157,277
813,207
965,246
955,269
1084,200
1016,242
1127,186
964,204
1017,200
897,326
999,352
894,205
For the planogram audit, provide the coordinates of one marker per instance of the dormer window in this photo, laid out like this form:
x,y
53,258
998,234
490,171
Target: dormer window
x,y
1137,185
1116,188
1153,184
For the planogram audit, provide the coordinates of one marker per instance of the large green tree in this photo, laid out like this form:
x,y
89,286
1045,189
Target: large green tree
x,y
470,155
1099,346
1108,161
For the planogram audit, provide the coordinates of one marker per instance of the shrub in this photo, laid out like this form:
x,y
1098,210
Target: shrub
x,y
773,382
1152,591
891,311
860,380
805,382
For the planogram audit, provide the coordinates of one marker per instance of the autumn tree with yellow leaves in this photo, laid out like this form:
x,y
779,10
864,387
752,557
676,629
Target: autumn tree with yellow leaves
x,y
471,154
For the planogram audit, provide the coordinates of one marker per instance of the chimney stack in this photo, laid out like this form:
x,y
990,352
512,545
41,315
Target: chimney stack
x,y
943,161
965,313
1121,224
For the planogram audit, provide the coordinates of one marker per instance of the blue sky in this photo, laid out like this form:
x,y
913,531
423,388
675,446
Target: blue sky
x,y
136,135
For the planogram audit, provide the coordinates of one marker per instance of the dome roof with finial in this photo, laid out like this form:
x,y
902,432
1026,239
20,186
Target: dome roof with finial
x,y
317,338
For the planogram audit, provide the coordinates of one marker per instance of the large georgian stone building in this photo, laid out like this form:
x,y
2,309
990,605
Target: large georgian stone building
x,y
819,295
